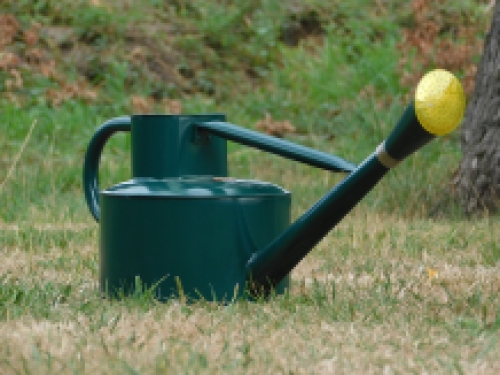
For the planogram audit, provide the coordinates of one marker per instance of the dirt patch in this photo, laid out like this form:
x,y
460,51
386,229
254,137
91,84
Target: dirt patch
x,y
444,37
56,52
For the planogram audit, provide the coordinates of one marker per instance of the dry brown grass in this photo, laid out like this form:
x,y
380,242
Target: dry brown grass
x,y
403,319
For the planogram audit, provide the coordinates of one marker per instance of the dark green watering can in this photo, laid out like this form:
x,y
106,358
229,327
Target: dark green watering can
x,y
183,227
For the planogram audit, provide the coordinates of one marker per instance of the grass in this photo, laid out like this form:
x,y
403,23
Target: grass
x,y
404,284
359,294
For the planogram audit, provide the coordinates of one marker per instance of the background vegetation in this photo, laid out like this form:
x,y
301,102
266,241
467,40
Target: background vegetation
x,y
404,284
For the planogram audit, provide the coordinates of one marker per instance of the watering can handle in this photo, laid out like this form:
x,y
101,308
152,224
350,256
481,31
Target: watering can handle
x,y
92,157
278,146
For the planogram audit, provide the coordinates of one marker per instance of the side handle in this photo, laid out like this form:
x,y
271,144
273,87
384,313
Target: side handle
x,y
92,157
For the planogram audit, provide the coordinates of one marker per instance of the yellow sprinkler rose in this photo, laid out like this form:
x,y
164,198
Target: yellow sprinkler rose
x,y
439,102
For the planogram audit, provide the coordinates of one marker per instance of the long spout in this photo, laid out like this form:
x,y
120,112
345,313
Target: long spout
x,y
437,109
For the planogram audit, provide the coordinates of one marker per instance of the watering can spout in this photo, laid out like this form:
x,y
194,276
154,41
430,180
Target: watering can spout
x,y
437,109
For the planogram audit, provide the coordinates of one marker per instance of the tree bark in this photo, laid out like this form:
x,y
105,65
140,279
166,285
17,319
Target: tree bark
x,y
478,179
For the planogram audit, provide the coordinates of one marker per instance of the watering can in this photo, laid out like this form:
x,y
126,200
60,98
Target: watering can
x,y
181,226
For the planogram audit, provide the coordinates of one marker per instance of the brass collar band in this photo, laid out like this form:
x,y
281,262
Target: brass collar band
x,y
387,160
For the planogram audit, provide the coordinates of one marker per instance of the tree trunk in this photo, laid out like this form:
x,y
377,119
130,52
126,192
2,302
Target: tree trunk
x,y
478,179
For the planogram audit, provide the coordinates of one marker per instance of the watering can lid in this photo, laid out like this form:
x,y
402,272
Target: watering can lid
x,y
194,187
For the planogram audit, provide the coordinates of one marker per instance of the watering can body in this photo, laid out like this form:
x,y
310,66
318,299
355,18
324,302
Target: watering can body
x,y
182,227
189,236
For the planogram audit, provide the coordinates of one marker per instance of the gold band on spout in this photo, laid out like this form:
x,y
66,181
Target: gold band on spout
x,y
387,160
